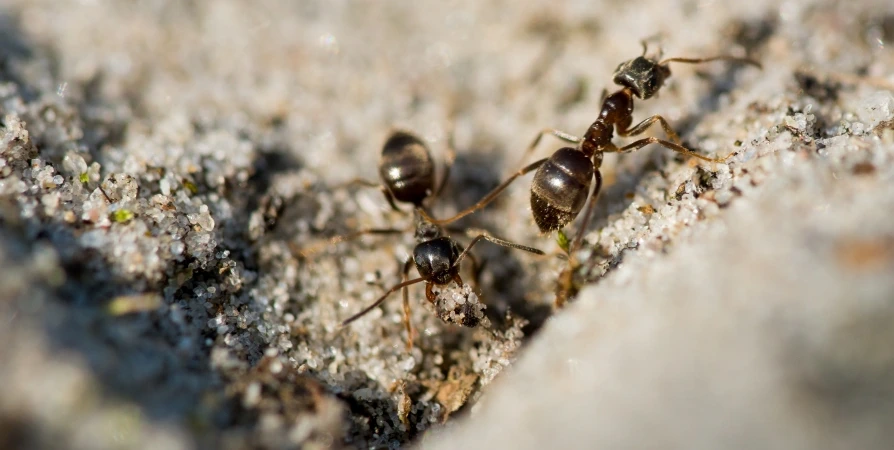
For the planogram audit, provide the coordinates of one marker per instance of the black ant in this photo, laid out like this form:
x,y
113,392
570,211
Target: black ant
x,y
408,176
562,182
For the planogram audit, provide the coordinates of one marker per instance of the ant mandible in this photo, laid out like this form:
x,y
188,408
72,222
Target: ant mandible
x,y
407,172
562,182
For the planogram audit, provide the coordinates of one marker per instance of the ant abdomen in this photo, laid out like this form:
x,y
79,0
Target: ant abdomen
x,y
407,168
560,188
435,259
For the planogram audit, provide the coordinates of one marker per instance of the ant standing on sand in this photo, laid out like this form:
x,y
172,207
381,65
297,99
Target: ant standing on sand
x,y
562,182
407,172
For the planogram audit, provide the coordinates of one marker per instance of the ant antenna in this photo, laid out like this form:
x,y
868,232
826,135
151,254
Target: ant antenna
x,y
713,58
381,299
313,249
645,44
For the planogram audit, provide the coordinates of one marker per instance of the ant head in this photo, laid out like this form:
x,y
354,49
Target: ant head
x,y
435,258
643,76
406,168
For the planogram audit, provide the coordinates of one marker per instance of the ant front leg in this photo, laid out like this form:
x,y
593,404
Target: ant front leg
x,y
642,126
430,294
484,235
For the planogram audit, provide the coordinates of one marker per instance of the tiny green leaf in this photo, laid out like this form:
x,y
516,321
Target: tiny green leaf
x,y
121,216
563,241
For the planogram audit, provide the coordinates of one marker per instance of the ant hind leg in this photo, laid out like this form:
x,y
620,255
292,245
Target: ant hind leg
x,y
565,288
406,297
570,138
486,199
449,159
305,252
670,146
369,183
567,137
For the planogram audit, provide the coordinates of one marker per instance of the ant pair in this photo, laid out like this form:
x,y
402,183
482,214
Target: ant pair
x,y
561,183
407,172
560,188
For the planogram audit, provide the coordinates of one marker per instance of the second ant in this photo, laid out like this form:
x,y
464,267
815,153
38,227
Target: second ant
x,y
408,176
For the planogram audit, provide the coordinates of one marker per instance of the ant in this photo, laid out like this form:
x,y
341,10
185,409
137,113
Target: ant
x,y
407,172
561,184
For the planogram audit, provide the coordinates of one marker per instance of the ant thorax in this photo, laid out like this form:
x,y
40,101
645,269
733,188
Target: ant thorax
x,y
425,230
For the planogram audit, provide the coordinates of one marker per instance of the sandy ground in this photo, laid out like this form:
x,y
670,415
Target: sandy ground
x,y
161,161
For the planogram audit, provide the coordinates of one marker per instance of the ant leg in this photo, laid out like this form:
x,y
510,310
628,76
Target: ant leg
x,y
567,137
642,126
429,294
405,275
319,246
668,145
449,159
565,285
487,198
712,58
493,194
476,271
588,215
369,183
381,299
481,234
566,288
390,198
358,182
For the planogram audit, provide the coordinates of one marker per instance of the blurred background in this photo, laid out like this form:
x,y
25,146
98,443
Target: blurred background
x,y
161,160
